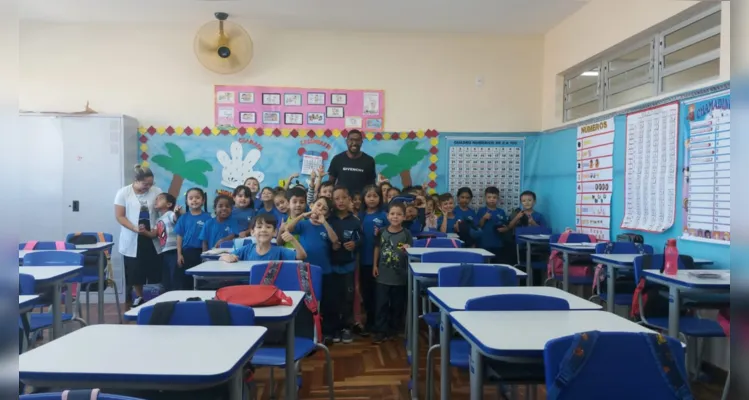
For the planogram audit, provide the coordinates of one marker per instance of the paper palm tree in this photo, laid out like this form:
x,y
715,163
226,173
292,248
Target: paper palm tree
x,y
408,156
193,170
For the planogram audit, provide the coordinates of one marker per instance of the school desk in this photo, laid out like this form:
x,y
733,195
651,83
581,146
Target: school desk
x,y
215,270
530,241
52,277
145,357
100,249
614,262
449,299
22,253
575,249
26,302
417,252
523,334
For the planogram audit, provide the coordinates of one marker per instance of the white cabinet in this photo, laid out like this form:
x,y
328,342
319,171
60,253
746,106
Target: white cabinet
x,y
74,165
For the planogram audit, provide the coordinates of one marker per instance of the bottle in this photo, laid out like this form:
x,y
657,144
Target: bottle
x,y
671,258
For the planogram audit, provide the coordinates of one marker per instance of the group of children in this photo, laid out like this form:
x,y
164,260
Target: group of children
x,y
338,231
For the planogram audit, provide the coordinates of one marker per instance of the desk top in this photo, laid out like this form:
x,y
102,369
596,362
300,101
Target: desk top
x,y
690,278
143,354
262,314
502,333
95,246
420,251
26,300
628,260
44,275
575,248
455,298
534,238
222,268
431,269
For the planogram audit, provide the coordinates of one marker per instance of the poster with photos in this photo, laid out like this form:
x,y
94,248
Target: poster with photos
x,y
298,108
478,163
595,178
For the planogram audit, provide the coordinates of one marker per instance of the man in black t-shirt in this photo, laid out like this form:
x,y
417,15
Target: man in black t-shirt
x,y
353,168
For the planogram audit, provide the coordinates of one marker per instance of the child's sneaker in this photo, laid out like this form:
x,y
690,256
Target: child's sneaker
x,y
378,338
137,301
360,330
346,336
337,337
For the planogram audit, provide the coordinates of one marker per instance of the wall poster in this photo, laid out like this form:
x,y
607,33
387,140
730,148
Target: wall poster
x,y
595,178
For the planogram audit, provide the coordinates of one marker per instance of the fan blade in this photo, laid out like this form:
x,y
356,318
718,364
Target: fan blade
x,y
204,46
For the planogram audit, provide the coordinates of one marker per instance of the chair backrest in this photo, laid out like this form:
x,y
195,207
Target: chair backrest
x,y
107,236
623,248
195,313
470,275
58,396
431,234
572,237
517,302
26,284
50,258
622,365
452,257
532,230
441,243
656,262
46,245
226,245
288,277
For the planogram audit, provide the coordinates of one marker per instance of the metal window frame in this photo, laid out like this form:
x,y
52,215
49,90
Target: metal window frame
x,y
609,89
567,104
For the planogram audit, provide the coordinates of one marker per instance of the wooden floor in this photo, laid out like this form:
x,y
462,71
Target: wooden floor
x,y
362,370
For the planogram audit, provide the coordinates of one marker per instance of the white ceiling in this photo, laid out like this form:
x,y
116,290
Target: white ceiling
x,y
504,17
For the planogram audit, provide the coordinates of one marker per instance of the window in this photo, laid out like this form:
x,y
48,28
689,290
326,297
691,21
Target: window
x,y
681,55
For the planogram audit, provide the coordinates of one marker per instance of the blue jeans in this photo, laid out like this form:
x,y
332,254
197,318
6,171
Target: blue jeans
x,y
171,277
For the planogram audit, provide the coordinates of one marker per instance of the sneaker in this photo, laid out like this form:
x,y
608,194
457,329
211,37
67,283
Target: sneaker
x,y
360,330
137,301
378,338
337,337
346,336
327,340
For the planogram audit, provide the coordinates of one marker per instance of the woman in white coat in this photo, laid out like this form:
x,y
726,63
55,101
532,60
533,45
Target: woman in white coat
x,y
134,210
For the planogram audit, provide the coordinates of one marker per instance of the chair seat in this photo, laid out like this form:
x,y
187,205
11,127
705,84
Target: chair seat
x,y
432,319
620,299
691,326
276,356
44,320
460,353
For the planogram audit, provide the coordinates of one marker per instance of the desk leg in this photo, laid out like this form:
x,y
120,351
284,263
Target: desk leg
x,y
102,267
414,343
56,315
610,287
69,302
528,265
194,282
477,374
409,307
674,305
236,386
565,272
290,367
445,334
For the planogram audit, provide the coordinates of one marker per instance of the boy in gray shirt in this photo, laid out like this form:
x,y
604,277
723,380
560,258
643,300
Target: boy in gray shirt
x,y
390,271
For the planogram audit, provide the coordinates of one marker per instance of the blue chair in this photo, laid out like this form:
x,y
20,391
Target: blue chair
x,y
275,357
431,234
689,326
520,252
623,366
623,296
58,396
195,313
47,246
441,243
89,278
573,280
452,257
460,349
226,245
53,258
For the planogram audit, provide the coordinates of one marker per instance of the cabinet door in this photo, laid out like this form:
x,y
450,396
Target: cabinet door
x,y
92,173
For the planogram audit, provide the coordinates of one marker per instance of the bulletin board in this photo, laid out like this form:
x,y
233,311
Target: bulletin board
x,y
298,108
595,178
706,188
481,162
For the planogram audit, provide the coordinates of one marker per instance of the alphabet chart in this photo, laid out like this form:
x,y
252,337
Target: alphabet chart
x,y
595,178
707,176
478,163
650,168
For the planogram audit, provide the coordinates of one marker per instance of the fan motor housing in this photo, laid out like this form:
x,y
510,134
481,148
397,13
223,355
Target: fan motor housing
x,y
224,52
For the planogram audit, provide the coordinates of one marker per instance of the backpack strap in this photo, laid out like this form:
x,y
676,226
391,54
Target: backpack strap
x,y
597,277
310,299
60,245
455,243
30,245
218,312
466,275
670,372
162,313
640,290
271,273
428,241
572,362
82,394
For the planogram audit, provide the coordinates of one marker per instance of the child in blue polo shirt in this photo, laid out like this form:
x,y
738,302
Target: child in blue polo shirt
x,y
527,216
188,229
222,228
264,230
492,221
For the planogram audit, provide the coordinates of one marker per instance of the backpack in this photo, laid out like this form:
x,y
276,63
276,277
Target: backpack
x,y
555,266
598,277
654,305
254,295
81,394
630,237
218,312
583,345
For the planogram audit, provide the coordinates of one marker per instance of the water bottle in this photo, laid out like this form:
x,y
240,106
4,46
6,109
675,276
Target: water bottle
x,y
671,258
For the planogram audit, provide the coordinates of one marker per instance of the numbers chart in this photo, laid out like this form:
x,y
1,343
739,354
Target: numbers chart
x,y
479,163
707,176
650,169
595,154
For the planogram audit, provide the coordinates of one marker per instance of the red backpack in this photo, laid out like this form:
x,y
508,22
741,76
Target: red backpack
x,y
254,295
555,266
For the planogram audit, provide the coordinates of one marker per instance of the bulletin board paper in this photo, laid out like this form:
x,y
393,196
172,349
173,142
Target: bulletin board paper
x,y
650,169
299,108
478,163
595,179
706,191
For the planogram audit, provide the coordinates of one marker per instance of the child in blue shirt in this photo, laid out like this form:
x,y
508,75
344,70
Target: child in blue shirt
x,y
222,228
266,205
315,234
373,219
264,230
447,222
244,210
188,229
493,224
281,207
527,216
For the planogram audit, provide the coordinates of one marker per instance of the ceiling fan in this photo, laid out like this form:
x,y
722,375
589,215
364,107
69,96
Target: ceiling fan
x,y
222,46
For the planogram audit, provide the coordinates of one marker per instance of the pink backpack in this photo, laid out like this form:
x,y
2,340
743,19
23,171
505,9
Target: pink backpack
x,y
31,244
555,266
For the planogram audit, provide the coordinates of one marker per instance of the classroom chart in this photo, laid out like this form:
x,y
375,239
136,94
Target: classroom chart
x,y
595,178
706,191
265,106
650,168
481,162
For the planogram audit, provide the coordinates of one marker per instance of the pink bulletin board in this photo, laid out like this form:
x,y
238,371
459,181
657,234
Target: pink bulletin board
x,y
295,108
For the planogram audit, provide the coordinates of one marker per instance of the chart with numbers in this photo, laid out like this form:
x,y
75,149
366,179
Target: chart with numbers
x,y
479,163
650,168
595,178
706,191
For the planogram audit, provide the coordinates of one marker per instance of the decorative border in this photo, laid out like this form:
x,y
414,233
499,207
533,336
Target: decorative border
x,y
206,131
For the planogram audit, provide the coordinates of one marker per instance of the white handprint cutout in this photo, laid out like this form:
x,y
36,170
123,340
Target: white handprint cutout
x,y
236,170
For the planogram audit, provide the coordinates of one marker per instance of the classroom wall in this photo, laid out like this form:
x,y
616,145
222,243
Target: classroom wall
x,y
149,71
600,25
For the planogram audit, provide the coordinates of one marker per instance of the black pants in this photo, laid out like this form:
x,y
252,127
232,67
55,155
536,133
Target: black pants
x,y
367,289
192,259
171,277
144,268
391,303
337,302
